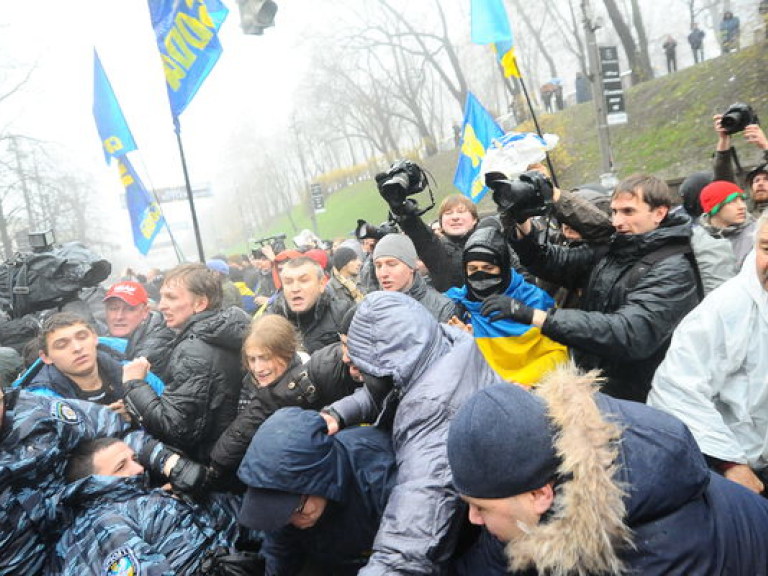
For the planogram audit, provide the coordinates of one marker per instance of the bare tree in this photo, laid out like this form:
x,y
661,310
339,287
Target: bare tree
x,y
637,56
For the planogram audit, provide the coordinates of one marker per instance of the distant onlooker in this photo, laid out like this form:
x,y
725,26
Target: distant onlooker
x,y
583,88
696,40
670,51
730,31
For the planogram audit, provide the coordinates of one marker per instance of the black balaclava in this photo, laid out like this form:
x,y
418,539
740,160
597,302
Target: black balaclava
x,y
480,285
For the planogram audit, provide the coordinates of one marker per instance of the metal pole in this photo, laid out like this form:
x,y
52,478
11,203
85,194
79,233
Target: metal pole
x,y
593,56
195,225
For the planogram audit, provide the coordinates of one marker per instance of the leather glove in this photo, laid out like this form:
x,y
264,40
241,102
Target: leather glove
x,y
499,307
188,476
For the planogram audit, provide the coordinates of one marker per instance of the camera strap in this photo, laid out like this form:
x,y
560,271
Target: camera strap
x,y
739,169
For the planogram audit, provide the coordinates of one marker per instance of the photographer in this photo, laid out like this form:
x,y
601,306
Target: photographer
x,y
635,290
742,118
457,216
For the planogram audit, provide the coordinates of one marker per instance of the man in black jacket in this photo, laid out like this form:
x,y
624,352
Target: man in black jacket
x,y
307,305
204,374
635,291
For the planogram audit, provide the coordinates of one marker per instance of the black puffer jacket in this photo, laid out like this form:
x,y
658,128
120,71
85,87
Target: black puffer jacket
x,y
441,307
318,326
202,384
317,383
622,330
153,340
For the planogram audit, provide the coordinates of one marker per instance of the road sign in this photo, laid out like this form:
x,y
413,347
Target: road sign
x,y
318,201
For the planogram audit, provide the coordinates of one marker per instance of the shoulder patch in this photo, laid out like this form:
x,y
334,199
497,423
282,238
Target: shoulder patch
x,y
121,562
64,412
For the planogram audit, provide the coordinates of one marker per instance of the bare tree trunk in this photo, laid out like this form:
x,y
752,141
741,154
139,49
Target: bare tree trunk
x,y
639,72
538,36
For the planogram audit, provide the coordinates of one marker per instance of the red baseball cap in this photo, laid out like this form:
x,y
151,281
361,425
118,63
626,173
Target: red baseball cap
x,y
132,293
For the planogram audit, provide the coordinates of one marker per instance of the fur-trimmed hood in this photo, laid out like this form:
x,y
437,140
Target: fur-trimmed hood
x,y
623,465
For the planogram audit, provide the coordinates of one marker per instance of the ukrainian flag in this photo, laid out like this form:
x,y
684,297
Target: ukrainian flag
x,y
518,352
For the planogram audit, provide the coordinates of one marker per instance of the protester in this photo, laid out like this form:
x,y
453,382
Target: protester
x,y
576,482
725,215
344,275
518,353
634,294
306,304
128,317
713,377
230,293
319,498
417,374
279,376
396,264
37,433
114,523
202,382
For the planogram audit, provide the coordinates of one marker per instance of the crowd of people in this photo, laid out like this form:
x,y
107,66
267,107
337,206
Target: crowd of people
x,y
573,385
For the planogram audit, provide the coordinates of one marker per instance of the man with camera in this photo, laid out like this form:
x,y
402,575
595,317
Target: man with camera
x,y
635,289
457,215
741,117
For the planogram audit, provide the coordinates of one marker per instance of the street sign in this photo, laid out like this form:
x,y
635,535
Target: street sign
x,y
318,201
613,91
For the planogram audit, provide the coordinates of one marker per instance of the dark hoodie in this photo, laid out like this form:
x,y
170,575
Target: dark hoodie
x,y
354,470
202,384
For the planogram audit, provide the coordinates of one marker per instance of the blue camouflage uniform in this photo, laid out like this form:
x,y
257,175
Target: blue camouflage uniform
x,y
117,525
35,440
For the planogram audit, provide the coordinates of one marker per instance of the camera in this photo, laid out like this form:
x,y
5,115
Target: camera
x,y
365,230
403,178
276,242
530,195
737,117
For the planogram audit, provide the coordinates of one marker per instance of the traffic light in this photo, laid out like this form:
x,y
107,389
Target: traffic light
x,y
256,15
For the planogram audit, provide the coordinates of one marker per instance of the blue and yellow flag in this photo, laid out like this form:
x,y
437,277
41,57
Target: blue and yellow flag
x,y
489,22
505,53
116,137
189,47
518,352
478,131
146,218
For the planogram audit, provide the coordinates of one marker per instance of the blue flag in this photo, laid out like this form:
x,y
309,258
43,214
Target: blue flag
x,y
489,22
116,137
189,47
146,218
477,133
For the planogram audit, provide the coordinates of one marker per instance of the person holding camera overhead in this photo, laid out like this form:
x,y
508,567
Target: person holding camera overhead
x,y
635,289
457,216
741,117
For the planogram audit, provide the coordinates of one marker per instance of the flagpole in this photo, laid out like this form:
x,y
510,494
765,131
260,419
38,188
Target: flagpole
x,y
195,225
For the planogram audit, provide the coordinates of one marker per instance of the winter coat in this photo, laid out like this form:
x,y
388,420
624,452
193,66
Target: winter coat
x,y
35,439
434,368
114,524
741,236
344,289
202,384
354,469
714,258
318,326
153,340
440,306
635,496
713,377
50,381
622,330
314,384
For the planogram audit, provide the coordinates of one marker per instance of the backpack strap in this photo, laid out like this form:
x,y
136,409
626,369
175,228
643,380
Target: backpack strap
x,y
640,268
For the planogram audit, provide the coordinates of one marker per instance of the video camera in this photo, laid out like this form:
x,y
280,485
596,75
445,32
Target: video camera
x,y
277,243
527,196
365,230
737,117
404,178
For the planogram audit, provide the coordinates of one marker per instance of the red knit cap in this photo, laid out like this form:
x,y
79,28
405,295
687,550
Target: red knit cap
x,y
715,195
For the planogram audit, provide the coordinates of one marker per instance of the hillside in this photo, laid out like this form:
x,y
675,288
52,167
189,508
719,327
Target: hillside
x,y
669,134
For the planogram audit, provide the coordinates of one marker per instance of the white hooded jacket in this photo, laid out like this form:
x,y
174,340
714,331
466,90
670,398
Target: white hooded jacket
x,y
715,374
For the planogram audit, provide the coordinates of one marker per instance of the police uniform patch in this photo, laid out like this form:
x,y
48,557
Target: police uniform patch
x,y
64,412
121,562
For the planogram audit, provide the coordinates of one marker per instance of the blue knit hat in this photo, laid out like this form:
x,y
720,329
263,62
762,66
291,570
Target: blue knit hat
x,y
500,443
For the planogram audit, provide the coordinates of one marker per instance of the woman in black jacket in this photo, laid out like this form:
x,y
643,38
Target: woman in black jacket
x,y
278,377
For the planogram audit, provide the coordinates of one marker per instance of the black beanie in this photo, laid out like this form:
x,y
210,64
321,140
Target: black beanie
x,y
500,443
690,191
343,256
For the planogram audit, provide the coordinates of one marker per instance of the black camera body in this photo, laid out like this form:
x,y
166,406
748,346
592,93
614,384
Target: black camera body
x,y
403,179
365,230
737,117
530,195
277,243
